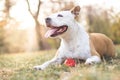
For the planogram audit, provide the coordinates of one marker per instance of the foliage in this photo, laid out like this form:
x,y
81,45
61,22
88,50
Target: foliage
x,y
2,36
98,20
115,29
101,21
20,66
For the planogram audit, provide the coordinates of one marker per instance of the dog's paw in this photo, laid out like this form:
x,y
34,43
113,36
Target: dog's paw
x,y
38,68
93,60
89,62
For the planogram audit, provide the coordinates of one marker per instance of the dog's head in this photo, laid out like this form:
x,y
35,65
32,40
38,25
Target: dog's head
x,y
61,22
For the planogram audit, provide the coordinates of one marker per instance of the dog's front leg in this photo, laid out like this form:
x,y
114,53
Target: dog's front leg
x,y
55,60
95,58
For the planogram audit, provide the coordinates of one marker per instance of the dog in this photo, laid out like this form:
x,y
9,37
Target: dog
x,y
75,41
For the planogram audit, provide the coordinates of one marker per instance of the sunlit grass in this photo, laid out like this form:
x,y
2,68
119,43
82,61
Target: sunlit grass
x,y
20,67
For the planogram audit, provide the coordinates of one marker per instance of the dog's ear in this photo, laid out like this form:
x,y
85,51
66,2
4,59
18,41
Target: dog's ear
x,y
75,10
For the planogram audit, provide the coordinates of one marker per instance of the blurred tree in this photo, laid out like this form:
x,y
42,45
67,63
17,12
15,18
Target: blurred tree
x,y
2,42
115,29
42,43
5,11
63,5
98,20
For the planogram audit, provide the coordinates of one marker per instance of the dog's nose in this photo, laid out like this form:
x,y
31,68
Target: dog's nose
x,y
48,20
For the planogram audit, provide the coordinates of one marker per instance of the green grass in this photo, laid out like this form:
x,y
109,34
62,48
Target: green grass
x,y
20,67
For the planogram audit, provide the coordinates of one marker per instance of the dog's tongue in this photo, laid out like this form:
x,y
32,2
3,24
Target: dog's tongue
x,y
50,32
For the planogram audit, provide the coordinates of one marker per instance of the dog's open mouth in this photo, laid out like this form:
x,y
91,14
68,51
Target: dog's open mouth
x,y
55,31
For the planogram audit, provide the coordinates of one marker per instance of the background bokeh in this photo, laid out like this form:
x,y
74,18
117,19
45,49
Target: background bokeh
x,y
22,26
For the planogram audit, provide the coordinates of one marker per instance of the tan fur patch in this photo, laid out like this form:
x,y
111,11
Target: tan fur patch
x,y
101,45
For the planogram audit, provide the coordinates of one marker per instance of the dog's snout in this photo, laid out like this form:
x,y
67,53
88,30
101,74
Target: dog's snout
x,y
48,20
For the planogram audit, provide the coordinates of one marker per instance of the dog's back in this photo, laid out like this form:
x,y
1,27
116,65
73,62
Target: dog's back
x,y
103,45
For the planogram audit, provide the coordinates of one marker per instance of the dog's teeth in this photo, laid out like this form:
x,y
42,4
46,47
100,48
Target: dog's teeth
x,y
60,30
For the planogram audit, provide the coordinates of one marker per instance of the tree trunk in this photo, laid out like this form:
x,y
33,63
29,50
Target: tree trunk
x,y
43,44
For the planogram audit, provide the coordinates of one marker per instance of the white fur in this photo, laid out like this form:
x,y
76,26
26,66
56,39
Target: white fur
x,y
74,42
92,60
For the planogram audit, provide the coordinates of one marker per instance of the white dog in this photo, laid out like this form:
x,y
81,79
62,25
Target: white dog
x,y
75,41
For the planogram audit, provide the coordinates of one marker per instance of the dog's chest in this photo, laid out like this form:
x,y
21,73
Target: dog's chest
x,y
75,51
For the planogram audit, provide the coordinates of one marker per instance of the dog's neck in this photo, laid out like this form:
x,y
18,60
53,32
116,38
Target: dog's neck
x,y
77,36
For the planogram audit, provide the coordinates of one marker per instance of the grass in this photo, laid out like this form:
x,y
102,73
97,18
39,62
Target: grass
x,y
20,67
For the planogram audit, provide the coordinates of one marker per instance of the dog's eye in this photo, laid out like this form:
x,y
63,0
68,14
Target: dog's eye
x,y
59,15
